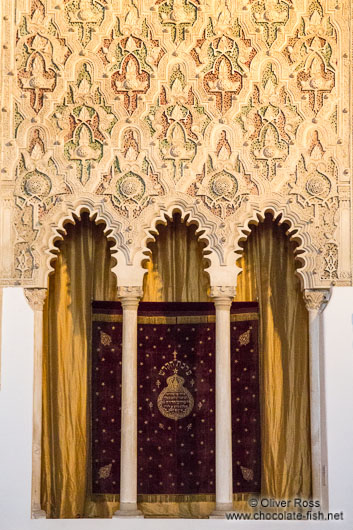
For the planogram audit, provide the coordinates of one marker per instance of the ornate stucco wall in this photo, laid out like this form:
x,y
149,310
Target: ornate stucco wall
x,y
132,108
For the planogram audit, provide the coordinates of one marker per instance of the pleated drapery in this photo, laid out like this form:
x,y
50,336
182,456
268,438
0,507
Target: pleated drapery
x,y
82,273
176,268
175,273
269,275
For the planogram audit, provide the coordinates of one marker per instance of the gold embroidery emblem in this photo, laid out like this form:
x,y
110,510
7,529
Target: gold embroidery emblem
x,y
244,338
106,339
175,401
248,474
104,471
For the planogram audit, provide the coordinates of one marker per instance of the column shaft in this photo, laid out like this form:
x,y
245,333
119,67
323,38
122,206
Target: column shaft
x,y
315,406
128,457
36,298
224,475
315,301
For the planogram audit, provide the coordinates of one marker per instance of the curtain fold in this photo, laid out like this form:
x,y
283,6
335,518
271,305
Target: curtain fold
x,y
269,275
175,273
82,273
176,268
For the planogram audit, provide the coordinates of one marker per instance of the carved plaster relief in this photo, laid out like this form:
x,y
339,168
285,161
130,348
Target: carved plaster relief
x,y
130,109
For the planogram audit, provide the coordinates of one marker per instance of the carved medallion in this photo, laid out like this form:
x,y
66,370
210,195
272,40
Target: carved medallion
x,y
131,186
36,184
224,185
318,185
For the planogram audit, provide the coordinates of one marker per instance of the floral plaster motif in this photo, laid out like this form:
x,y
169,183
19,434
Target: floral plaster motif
x,y
270,15
224,184
269,123
85,16
86,122
130,60
224,56
315,182
40,55
178,122
309,52
39,187
130,183
177,15
38,183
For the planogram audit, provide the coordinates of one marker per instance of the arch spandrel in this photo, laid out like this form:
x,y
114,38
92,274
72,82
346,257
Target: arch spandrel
x,y
138,108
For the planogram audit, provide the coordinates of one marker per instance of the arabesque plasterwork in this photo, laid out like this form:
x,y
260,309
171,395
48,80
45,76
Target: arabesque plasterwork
x,y
132,109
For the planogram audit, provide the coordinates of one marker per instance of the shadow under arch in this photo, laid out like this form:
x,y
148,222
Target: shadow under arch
x,y
176,268
82,272
269,275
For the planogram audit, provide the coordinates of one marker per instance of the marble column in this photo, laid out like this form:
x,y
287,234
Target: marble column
x,y
222,297
129,297
36,298
315,301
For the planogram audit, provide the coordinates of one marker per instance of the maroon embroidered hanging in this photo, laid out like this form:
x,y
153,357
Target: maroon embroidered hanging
x,y
176,398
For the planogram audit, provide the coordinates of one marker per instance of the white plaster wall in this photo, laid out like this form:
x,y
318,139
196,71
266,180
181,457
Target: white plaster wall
x,y
16,409
338,354
16,428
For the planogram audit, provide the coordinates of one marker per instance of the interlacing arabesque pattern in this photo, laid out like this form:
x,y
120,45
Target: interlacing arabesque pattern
x,y
229,108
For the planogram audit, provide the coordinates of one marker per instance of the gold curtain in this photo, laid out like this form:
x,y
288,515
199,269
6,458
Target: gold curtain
x,y
269,275
176,269
82,273
175,273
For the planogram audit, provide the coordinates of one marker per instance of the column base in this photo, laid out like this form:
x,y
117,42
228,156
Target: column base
x,y
128,510
37,513
221,509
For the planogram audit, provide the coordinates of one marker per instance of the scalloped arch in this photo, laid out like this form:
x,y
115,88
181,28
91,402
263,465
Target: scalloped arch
x,y
207,228
207,231
296,232
56,231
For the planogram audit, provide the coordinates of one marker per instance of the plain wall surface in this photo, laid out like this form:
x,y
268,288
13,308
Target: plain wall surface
x,y
338,355
16,426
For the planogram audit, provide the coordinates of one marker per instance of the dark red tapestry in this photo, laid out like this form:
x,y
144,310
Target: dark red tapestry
x,y
106,403
176,398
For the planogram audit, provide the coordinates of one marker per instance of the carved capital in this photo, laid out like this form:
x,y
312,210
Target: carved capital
x,y
36,298
223,291
222,296
316,299
129,296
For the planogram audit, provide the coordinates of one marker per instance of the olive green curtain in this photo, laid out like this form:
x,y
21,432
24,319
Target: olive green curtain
x,y
175,273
